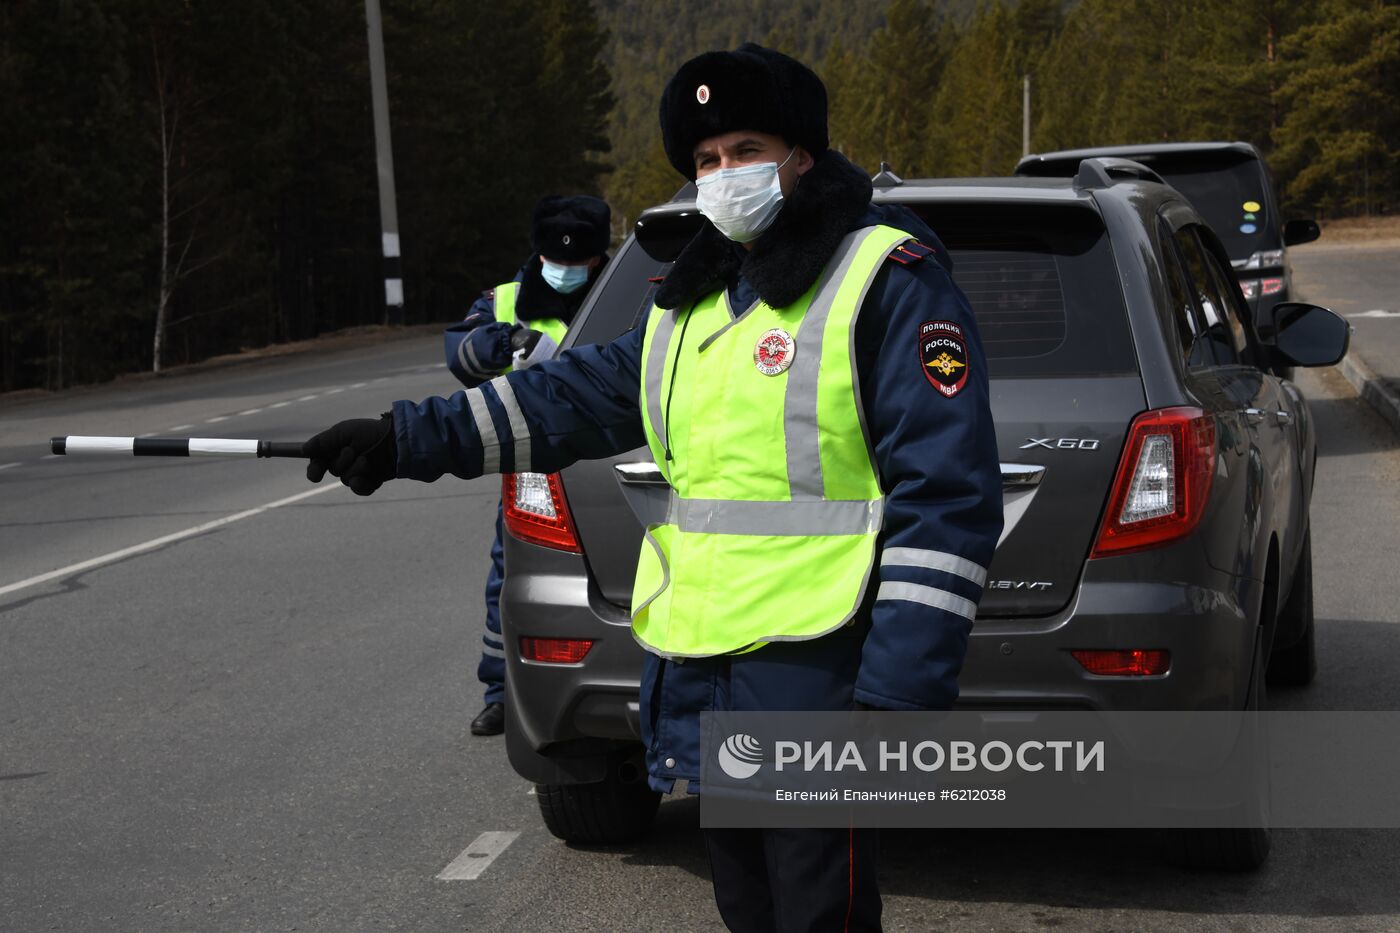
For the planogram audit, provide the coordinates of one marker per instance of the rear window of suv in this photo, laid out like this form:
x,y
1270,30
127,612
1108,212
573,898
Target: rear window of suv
x,y
1232,193
1042,284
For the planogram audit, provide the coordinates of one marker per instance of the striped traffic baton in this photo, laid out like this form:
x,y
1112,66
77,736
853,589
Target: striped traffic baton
x,y
175,447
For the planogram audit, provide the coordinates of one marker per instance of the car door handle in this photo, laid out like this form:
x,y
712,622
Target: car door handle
x,y
1021,475
640,473
1284,417
1254,415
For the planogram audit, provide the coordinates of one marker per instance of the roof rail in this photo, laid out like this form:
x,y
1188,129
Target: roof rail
x,y
886,178
1105,172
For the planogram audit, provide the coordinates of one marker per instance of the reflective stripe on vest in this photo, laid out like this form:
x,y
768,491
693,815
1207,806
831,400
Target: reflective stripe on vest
x,y
776,502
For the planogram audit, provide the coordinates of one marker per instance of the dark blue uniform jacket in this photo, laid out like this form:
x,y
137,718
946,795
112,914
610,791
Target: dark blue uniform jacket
x,y
937,460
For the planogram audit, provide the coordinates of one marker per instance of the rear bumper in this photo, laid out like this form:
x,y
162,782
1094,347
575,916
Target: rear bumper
x,y
565,719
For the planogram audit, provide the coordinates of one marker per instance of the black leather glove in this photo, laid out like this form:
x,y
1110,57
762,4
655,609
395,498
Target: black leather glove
x,y
523,338
362,452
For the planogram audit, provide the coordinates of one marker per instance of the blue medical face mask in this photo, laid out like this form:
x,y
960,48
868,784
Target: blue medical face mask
x,y
741,202
564,279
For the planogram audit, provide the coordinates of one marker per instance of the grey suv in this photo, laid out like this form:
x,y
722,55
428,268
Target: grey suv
x,y
1156,478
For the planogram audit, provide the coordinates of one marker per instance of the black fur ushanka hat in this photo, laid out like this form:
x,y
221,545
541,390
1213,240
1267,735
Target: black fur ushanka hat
x,y
750,88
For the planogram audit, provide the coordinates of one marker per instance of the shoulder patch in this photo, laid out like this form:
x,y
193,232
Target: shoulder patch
x,y
910,252
943,356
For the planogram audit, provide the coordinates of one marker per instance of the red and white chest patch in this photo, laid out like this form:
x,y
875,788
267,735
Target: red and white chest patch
x,y
774,352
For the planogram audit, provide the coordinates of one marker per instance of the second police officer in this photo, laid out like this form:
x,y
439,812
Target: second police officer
x,y
812,384
515,325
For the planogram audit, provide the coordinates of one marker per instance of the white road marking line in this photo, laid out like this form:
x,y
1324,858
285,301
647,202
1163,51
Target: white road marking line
x,y
359,385
380,379
181,427
477,857
251,411
50,456
335,390
279,404
162,541
1376,312
307,398
216,420
6,466
147,434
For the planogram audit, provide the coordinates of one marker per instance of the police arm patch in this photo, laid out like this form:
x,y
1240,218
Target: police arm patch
x,y
943,356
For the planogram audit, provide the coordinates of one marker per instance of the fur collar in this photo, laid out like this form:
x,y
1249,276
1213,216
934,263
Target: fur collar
x,y
538,300
827,204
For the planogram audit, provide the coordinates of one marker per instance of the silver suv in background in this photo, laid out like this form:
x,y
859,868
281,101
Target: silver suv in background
x,y
1156,479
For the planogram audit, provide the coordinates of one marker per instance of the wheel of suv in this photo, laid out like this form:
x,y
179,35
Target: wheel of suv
x,y
1232,848
1296,664
1228,848
620,808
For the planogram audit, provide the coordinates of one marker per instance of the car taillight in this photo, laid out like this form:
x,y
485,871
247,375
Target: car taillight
x,y
1163,481
535,510
1135,662
555,650
1270,286
1250,287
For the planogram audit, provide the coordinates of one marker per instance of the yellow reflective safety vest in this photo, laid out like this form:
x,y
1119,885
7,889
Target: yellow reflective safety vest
x,y
505,313
775,503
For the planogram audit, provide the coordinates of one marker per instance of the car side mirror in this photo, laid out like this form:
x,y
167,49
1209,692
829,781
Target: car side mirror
x,y
664,234
1304,335
1300,231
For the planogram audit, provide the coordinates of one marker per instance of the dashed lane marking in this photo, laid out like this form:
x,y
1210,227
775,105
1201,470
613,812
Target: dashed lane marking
x,y
477,857
163,540
6,466
181,427
216,419
279,404
307,398
251,411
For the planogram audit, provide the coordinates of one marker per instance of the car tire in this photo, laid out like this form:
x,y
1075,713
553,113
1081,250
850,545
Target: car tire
x,y
1295,665
620,808
1228,848
1235,848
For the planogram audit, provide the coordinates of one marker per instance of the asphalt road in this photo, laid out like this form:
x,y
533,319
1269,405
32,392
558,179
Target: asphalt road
x,y
264,726
1362,282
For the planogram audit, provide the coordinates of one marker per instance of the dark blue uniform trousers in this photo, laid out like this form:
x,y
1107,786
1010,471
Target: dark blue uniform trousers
x,y
491,670
769,880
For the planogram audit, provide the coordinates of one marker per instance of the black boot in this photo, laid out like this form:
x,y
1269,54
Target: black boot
x,y
490,721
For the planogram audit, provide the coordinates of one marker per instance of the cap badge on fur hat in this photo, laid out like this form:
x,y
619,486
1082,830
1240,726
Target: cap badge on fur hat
x,y
702,93
566,239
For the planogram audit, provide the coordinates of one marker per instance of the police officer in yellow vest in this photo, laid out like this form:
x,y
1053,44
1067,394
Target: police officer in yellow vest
x,y
812,384
515,325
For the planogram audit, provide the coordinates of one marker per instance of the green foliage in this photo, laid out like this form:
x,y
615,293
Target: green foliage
x,y
272,204
247,123
1339,144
